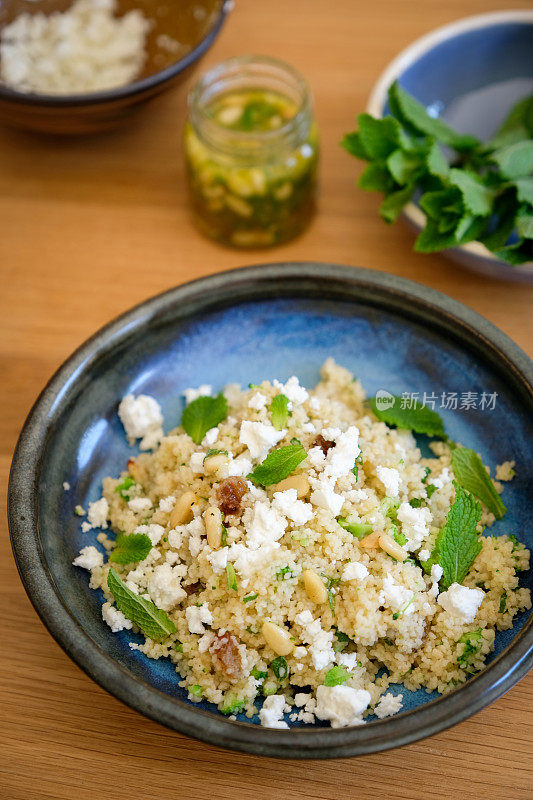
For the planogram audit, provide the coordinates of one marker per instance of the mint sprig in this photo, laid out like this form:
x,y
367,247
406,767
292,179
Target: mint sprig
x,y
278,465
457,545
203,414
153,622
131,548
485,192
471,474
417,417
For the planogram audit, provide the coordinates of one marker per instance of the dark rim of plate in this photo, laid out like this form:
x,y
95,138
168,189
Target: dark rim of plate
x,y
399,295
133,89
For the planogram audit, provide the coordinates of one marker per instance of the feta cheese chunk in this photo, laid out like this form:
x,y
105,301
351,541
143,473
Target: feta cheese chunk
x,y
320,641
324,496
240,466
259,437
197,616
139,504
257,401
271,715
204,390
461,602
218,559
397,597
390,478
388,705
115,618
154,532
341,705
354,571
263,524
415,525
89,558
97,515
166,504
210,437
340,459
296,510
142,419
292,389
164,585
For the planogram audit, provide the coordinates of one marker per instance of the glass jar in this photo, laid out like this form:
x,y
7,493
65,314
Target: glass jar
x,y
251,152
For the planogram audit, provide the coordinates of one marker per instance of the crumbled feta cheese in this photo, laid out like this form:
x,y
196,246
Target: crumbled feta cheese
x,y
172,558
341,705
142,419
314,403
442,479
340,459
415,522
164,585
436,572
197,616
423,554
308,427
153,531
210,437
390,478
299,652
388,705
66,486
240,466
461,602
139,504
196,463
248,562
348,660
257,401
319,640
218,559
97,515
259,437
204,390
263,524
354,571
271,715
397,597
296,510
89,558
166,504
115,618
316,457
297,394
301,698
324,496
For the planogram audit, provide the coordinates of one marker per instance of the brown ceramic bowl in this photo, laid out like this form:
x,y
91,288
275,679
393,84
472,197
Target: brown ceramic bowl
x,y
196,22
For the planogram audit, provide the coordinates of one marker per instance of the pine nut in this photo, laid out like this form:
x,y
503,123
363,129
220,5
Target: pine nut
x,y
370,542
182,511
314,587
277,639
212,464
391,547
299,482
213,526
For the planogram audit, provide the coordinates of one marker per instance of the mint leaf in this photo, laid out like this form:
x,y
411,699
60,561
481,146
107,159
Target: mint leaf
x,y
153,622
279,411
392,206
524,190
357,529
278,465
420,419
457,545
379,137
336,675
515,160
405,166
203,414
471,474
412,113
519,253
214,452
517,126
130,549
375,178
353,144
435,162
524,226
477,198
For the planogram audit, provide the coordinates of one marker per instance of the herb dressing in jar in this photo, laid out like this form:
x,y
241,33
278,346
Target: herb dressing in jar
x,y
251,151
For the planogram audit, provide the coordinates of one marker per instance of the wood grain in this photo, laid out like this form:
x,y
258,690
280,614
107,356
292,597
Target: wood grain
x,y
89,227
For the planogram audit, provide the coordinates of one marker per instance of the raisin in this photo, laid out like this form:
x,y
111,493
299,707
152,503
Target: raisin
x,y
230,493
192,588
324,444
226,654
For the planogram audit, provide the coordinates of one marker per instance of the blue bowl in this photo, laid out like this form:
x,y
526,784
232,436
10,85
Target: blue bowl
x,y
246,325
470,73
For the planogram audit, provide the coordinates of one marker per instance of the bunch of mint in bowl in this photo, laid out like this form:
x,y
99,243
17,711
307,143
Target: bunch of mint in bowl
x,y
468,190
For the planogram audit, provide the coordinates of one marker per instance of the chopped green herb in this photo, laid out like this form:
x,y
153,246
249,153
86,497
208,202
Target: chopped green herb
x,y
357,529
416,502
232,704
331,601
516,544
153,622
196,690
269,687
431,489
214,452
399,537
280,668
127,488
427,473
472,476
457,544
231,576
279,411
249,598
358,462
472,644
179,647
280,574
389,507
342,641
79,511
336,675
278,465
503,602
419,418
388,641
224,536
131,549
259,675
203,414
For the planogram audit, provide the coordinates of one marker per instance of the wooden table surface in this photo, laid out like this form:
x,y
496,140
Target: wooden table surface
x,y
88,227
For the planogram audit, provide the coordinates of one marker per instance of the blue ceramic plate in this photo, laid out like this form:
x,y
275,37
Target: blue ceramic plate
x,y
246,325
470,73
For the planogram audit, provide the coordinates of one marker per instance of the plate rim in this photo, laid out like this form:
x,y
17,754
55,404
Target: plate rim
x,y
259,282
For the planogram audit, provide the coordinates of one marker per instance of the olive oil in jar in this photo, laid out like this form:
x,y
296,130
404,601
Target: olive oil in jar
x,y
251,149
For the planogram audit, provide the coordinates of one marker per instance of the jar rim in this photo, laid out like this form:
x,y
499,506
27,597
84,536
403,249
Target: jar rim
x,y
216,135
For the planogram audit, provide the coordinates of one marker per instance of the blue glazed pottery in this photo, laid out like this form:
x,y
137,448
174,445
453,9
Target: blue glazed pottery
x,y
244,326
